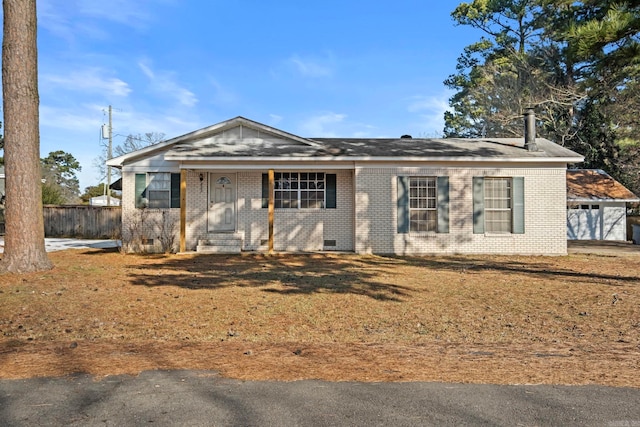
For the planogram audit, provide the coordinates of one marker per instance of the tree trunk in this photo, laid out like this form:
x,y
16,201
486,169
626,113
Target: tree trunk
x,y
24,249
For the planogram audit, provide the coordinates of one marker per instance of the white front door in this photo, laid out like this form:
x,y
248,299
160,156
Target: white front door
x,y
222,202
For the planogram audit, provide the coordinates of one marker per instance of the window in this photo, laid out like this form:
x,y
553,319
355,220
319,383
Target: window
x,y
498,205
422,204
301,190
157,190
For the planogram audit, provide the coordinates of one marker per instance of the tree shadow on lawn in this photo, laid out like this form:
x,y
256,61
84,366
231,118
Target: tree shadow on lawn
x,y
509,265
286,274
291,274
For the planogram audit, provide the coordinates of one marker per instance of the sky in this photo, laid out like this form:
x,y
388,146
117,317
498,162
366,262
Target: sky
x,y
312,68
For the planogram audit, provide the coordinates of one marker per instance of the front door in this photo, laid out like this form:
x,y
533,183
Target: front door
x,y
222,202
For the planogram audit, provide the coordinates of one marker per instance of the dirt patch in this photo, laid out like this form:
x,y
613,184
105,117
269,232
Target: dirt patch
x,y
504,320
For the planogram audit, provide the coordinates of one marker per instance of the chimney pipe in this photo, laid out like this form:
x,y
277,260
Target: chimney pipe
x,y
530,130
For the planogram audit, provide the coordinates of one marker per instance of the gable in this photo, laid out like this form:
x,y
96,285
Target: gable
x,y
240,140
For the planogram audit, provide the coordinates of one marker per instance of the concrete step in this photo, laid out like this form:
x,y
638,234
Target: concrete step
x,y
228,243
218,249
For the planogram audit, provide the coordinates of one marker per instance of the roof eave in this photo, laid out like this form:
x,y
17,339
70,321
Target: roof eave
x,y
591,200
375,159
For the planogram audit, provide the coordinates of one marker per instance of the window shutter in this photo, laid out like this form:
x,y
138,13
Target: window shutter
x,y
141,185
518,205
175,190
478,205
265,190
443,204
403,204
330,192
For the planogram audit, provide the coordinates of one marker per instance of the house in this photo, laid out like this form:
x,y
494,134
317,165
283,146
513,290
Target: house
x,y
596,206
242,185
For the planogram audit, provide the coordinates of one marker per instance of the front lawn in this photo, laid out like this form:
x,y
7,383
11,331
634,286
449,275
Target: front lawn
x,y
490,319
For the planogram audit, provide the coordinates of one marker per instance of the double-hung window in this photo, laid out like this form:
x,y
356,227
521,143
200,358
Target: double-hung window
x,y
498,205
157,190
423,204
423,212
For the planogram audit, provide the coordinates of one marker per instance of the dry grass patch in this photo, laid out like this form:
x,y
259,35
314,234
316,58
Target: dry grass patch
x,y
497,319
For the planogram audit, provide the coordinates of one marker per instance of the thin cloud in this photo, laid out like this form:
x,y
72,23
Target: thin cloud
x,y
274,119
164,83
430,110
313,67
322,125
83,118
89,80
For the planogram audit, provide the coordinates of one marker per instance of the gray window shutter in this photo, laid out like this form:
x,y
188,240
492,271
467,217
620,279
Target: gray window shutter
x,y
443,204
265,190
331,190
478,205
403,204
518,205
141,185
175,190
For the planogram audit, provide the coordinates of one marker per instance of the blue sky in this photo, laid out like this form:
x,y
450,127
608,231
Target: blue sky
x,y
316,69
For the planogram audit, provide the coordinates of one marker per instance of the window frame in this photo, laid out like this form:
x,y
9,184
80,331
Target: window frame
x,y
290,194
518,211
423,199
164,188
491,211
143,190
402,206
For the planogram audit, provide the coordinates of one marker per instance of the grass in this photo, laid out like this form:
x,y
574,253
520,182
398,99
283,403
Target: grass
x,y
497,319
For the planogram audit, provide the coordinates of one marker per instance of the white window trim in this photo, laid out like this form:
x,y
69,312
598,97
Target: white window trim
x,y
488,211
300,190
431,180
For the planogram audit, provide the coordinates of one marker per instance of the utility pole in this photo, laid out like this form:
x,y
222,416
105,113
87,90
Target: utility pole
x,y
109,154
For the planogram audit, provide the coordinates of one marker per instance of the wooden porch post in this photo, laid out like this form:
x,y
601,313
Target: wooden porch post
x,y
271,208
183,210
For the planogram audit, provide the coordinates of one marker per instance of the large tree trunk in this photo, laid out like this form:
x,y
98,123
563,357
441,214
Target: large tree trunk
x,y
24,249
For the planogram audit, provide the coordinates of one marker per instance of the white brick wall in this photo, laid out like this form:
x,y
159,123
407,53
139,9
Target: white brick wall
x,y
295,229
545,213
371,225
141,226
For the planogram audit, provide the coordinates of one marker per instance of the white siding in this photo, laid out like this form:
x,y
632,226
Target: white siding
x,y
608,222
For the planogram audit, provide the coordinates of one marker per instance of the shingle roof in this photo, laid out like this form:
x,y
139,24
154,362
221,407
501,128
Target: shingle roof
x,y
241,139
372,149
441,147
596,185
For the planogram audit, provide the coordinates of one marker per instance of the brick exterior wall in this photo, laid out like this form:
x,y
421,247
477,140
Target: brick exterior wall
x,y
365,220
147,230
545,213
295,229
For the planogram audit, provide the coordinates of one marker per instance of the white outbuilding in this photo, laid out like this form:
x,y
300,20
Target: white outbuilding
x,y
596,206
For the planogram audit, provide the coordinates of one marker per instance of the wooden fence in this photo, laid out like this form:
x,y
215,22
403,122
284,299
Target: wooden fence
x,y
88,222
